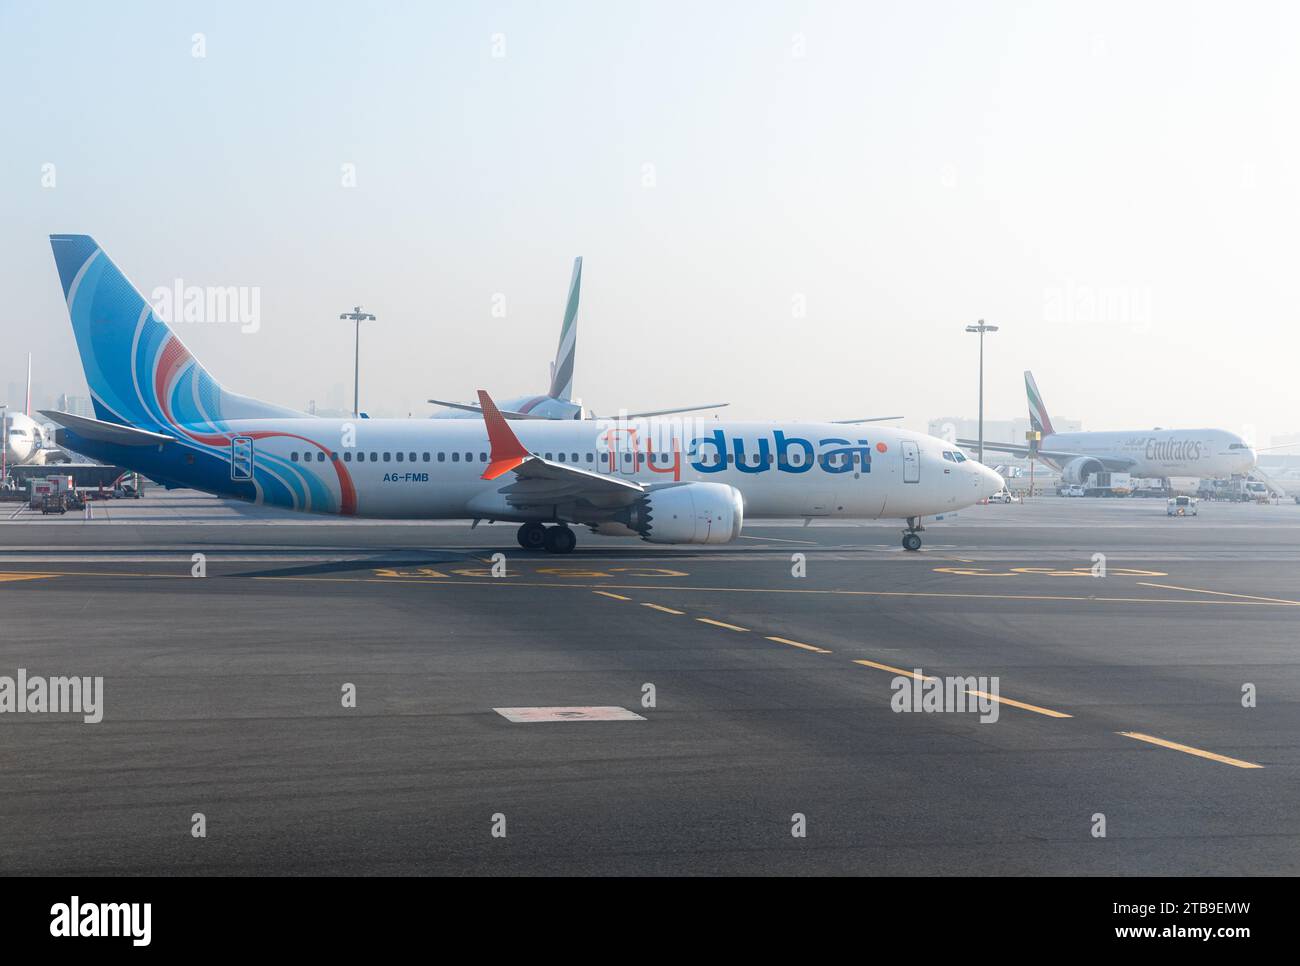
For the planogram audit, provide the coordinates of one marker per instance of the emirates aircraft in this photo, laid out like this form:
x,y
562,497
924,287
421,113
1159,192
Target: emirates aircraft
x,y
160,413
23,437
1154,453
557,402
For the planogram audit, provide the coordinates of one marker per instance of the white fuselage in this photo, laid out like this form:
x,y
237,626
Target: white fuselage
x,y
22,438
432,469
1207,453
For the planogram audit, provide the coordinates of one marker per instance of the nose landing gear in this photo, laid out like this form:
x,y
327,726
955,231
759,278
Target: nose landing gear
x,y
911,536
534,536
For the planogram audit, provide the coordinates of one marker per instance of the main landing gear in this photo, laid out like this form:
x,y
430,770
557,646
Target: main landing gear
x,y
911,536
558,539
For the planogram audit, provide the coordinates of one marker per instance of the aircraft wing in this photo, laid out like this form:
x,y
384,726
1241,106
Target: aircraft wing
x,y
665,412
537,481
470,408
865,419
1055,455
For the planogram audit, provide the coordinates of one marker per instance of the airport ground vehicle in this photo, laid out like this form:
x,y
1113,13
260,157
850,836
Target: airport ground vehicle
x,y
54,484
1074,489
1181,506
1108,484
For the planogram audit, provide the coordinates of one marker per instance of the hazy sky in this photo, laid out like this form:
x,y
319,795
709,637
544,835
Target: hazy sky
x,y
835,191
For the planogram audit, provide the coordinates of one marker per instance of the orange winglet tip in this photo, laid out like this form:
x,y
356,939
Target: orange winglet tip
x,y
500,467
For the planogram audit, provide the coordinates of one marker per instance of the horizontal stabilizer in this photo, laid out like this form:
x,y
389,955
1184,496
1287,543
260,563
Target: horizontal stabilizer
x,y
103,432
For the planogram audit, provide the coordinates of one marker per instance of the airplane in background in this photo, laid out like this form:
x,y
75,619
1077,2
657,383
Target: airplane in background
x,y
1152,453
160,413
23,437
558,402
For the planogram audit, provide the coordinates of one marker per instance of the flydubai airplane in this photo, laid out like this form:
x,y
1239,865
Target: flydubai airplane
x,y
558,401
1155,453
160,413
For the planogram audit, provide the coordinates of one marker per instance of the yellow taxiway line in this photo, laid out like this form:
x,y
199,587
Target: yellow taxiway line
x,y
666,610
1221,593
806,647
730,627
1189,750
979,694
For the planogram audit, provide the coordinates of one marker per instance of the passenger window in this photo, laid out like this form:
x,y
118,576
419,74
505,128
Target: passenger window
x,y
411,457
426,457
399,457
334,457
388,457
469,457
293,456
455,457
575,457
442,457
589,457
482,457
561,457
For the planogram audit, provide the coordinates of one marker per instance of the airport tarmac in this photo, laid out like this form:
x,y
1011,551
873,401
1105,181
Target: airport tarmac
x,y
1118,696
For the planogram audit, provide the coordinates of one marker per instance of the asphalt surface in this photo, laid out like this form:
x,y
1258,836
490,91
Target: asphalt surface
x,y
223,696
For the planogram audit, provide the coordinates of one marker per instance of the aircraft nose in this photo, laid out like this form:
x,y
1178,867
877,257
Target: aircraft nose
x,y
990,481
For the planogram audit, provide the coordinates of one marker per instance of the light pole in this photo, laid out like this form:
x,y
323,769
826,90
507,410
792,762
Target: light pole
x,y
4,442
981,328
357,316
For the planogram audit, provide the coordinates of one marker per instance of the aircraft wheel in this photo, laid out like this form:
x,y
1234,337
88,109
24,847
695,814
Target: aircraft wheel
x,y
531,536
560,540
911,541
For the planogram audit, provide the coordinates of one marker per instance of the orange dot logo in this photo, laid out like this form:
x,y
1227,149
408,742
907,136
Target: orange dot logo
x,y
882,448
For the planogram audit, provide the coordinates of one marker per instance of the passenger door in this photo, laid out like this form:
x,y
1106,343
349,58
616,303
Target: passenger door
x,y
911,462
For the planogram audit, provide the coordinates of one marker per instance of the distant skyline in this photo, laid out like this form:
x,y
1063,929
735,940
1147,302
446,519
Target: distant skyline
x,y
796,207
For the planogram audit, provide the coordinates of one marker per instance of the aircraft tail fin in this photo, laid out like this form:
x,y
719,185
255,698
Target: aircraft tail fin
x,y
140,374
27,409
1038,417
562,367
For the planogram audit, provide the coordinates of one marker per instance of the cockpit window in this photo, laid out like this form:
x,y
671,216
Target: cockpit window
x,y
949,457
959,457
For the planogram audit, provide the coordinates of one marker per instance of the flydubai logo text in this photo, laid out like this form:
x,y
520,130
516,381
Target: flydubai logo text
x,y
78,920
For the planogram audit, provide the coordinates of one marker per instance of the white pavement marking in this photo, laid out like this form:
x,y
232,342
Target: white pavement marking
x,y
594,713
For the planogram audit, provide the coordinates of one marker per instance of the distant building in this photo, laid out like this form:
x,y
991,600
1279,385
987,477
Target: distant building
x,y
77,405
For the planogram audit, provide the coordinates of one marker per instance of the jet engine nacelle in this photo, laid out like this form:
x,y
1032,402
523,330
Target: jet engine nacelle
x,y
1079,469
689,513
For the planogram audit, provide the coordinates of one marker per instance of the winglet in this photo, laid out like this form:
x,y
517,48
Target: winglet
x,y
507,451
